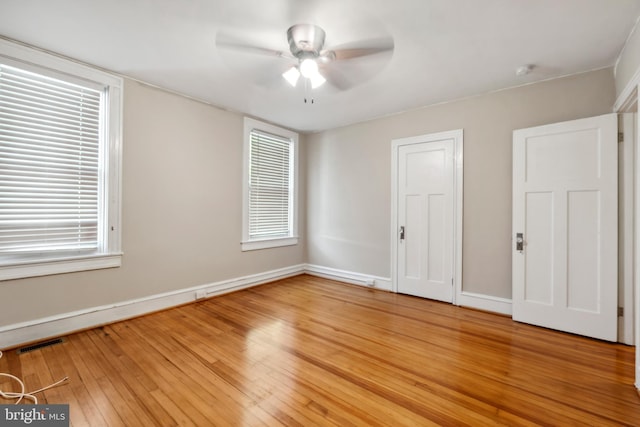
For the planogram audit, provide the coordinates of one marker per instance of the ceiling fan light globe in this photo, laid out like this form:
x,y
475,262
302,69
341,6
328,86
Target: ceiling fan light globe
x,y
309,68
317,80
291,76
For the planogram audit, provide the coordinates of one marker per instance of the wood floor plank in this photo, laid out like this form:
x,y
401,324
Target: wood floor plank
x,y
169,377
457,356
308,351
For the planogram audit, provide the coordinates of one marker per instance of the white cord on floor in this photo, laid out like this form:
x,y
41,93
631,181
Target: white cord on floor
x,y
22,394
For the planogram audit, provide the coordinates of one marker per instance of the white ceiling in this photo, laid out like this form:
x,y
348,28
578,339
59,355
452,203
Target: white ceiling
x,y
444,49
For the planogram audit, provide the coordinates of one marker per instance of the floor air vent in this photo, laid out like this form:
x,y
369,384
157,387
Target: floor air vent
x,y
40,345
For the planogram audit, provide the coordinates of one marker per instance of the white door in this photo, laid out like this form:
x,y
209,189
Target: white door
x,y
425,217
565,226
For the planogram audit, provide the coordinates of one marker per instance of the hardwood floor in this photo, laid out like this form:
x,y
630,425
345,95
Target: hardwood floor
x,y
308,351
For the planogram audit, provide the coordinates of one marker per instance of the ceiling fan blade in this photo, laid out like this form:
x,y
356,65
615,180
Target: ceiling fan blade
x,y
225,41
337,79
364,48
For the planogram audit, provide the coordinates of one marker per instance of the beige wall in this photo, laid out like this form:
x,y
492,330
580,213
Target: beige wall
x,y
182,195
181,212
348,176
629,61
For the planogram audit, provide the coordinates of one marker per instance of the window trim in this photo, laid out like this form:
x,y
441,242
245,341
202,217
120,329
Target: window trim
x,y
248,244
53,65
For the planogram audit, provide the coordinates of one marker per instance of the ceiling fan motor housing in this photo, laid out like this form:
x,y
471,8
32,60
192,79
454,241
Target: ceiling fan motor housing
x,y
305,40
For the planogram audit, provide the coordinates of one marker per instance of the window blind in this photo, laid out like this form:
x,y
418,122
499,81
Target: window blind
x,y
49,163
269,186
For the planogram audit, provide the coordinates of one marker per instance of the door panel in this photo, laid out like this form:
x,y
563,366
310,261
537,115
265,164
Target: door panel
x,y
582,265
436,244
413,254
565,203
539,232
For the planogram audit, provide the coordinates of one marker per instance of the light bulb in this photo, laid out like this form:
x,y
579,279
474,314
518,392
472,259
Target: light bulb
x,y
308,68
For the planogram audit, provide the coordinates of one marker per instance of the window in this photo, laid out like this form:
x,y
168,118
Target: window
x,y
270,175
59,165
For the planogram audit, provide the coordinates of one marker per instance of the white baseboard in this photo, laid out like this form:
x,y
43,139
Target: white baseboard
x,y
367,280
466,299
485,302
39,329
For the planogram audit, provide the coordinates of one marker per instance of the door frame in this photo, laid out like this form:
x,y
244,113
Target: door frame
x,y
457,137
628,101
626,209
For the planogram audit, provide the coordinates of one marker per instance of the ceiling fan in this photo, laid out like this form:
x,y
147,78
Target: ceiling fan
x,y
313,63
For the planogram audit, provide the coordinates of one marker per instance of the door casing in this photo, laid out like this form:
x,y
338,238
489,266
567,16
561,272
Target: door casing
x,y
626,171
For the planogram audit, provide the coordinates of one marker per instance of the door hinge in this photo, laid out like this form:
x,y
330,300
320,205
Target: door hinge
x,y
620,311
620,136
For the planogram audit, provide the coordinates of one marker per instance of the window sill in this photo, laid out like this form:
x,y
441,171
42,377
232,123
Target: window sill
x,y
252,245
57,266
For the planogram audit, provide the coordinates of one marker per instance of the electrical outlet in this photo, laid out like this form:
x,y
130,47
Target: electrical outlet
x,y
201,294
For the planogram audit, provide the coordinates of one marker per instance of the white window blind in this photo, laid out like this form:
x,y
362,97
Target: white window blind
x,y
270,186
49,164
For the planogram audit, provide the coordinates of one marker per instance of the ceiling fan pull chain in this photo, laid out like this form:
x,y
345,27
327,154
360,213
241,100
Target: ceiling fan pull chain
x,y
308,99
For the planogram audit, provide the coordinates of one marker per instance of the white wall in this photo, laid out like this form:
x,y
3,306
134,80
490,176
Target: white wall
x,y
348,176
182,210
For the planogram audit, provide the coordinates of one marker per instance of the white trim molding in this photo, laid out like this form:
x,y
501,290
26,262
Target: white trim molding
x,y
636,264
485,302
465,299
629,95
39,329
58,266
247,243
252,245
65,323
351,277
626,184
626,101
